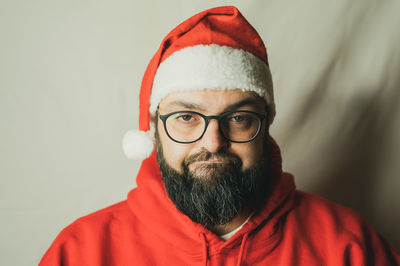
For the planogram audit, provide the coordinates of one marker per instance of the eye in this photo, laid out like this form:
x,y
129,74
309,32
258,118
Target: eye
x,y
184,117
238,118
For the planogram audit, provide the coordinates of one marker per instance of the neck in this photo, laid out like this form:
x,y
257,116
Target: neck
x,y
232,225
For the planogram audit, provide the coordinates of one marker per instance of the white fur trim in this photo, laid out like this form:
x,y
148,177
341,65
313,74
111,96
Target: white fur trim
x,y
212,67
138,145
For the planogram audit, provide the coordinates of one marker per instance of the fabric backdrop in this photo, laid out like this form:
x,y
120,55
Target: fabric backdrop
x,y
69,78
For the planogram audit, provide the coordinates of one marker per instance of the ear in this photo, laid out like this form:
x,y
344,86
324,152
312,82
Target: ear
x,y
153,117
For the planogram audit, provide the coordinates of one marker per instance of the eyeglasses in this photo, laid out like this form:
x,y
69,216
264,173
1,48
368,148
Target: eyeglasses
x,y
189,126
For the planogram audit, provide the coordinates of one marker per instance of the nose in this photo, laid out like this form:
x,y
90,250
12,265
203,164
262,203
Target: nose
x,y
212,139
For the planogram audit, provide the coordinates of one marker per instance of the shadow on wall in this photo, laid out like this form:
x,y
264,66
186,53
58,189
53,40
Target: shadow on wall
x,y
355,169
351,136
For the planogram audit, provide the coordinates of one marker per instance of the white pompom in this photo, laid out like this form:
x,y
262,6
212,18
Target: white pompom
x,y
138,145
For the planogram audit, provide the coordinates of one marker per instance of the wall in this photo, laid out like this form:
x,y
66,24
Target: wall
x,y
69,78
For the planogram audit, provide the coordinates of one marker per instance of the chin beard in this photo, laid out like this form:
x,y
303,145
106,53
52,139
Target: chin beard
x,y
214,194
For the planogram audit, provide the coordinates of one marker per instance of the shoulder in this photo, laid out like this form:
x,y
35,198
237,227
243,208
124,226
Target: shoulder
x,y
114,214
104,220
321,208
326,215
89,234
335,230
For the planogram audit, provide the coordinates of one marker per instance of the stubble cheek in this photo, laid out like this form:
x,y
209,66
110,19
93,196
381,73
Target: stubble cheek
x,y
173,153
174,156
251,155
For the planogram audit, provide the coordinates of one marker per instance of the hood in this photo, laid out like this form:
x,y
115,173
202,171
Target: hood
x,y
150,203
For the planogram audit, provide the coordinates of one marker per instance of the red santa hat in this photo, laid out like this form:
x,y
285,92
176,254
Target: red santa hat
x,y
215,49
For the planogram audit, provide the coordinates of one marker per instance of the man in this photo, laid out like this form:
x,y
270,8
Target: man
x,y
213,191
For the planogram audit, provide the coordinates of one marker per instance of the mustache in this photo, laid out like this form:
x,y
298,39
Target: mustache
x,y
228,158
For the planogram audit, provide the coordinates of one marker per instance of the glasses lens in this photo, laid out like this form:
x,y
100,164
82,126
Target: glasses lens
x,y
185,126
240,126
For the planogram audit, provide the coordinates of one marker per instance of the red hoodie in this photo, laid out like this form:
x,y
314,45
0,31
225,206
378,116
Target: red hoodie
x,y
293,228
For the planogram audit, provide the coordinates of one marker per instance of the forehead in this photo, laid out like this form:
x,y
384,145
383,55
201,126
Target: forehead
x,y
212,101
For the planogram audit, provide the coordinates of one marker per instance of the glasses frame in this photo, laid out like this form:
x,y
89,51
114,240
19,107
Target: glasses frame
x,y
207,118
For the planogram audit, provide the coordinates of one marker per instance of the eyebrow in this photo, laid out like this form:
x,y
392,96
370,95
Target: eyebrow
x,y
246,101
188,105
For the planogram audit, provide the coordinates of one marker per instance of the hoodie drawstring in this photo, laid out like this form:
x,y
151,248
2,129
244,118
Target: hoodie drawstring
x,y
241,251
205,251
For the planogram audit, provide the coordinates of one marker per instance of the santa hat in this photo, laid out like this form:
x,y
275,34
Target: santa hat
x,y
215,49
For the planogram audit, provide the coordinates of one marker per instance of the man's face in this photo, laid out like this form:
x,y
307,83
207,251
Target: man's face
x,y
212,180
211,102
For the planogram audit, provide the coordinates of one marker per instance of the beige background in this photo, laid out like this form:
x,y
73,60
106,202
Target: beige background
x,y
69,78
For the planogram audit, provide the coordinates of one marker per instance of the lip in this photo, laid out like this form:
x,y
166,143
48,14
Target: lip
x,y
216,161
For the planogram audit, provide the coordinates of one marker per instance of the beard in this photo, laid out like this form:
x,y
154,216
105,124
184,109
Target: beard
x,y
214,194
